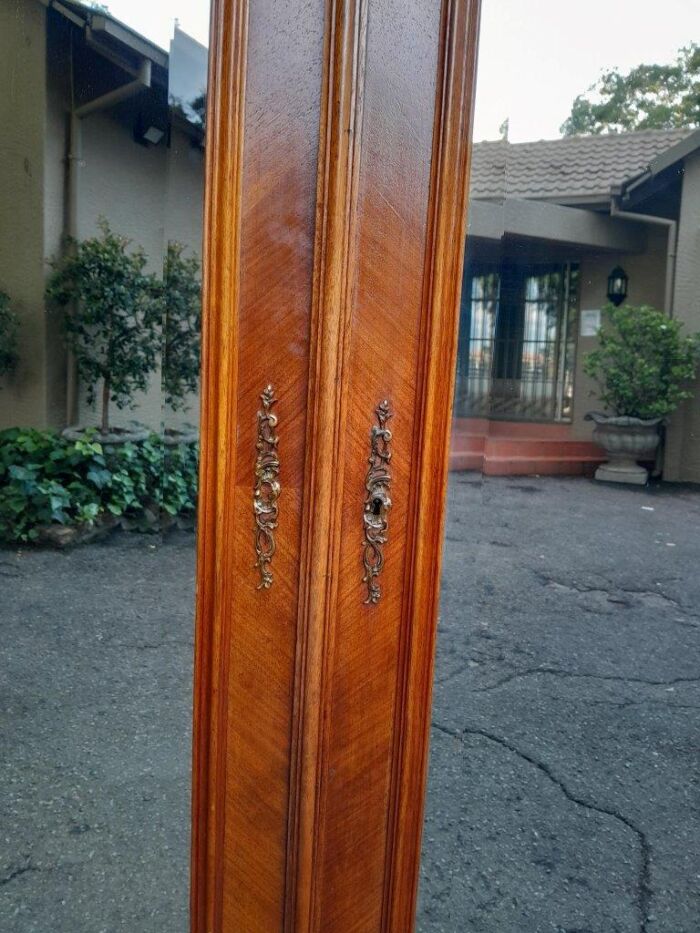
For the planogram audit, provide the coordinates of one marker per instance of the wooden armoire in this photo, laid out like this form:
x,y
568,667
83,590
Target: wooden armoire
x,y
338,158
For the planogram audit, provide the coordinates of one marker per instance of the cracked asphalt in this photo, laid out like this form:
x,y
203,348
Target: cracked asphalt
x,y
563,792
96,687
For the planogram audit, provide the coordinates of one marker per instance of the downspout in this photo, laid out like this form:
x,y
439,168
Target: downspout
x,y
671,246
75,161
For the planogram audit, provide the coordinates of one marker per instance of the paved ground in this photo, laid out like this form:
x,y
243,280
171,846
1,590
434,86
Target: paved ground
x,y
96,682
563,790
565,757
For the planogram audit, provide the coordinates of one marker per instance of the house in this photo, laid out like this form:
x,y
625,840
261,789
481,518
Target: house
x,y
548,223
98,121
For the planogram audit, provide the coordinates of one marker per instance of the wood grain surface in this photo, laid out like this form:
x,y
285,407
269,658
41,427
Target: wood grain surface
x,y
337,159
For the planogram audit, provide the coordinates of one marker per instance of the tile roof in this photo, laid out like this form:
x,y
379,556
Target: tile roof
x,y
572,168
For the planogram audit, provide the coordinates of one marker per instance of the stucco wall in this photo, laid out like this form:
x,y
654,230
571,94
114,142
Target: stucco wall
x,y
55,194
123,182
683,436
647,274
23,396
151,195
184,207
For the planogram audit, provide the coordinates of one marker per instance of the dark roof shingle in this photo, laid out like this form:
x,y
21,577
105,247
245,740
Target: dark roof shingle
x,y
572,168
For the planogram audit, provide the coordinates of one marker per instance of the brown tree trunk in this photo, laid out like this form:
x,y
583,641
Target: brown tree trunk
x,y
104,428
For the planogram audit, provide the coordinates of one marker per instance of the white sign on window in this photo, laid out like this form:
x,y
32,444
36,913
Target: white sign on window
x,y
590,322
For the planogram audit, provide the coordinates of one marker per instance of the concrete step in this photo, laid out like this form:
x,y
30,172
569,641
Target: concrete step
x,y
508,448
528,429
461,462
468,443
541,466
523,466
539,447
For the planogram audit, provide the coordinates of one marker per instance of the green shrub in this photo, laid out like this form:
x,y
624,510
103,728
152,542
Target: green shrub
x,y
111,320
182,325
48,480
178,493
643,362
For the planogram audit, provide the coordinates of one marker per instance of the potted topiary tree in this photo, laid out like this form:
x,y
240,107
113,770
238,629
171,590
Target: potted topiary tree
x,y
182,323
643,364
111,320
8,336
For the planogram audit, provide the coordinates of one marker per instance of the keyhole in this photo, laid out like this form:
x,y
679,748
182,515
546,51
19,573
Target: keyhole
x,y
376,506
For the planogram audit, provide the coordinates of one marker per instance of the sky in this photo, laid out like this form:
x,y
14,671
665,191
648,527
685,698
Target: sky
x,y
535,56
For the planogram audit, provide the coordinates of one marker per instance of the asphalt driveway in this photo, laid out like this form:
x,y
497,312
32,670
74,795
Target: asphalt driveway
x,y
563,793
565,762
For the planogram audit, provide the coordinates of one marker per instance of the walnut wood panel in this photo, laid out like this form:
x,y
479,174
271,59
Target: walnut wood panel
x,y
398,85
336,193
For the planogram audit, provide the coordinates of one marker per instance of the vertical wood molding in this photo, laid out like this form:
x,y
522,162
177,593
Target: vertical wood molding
x,y
285,836
220,298
447,223
339,153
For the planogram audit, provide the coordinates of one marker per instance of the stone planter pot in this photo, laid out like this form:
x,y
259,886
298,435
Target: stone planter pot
x,y
64,536
117,436
187,434
625,440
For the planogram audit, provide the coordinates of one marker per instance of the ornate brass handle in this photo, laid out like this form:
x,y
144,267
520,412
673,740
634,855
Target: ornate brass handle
x,y
267,488
377,503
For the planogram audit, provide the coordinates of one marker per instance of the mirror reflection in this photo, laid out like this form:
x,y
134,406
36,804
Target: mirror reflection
x,y
562,792
562,785
101,188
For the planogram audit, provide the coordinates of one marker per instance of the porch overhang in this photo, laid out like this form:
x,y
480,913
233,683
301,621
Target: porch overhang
x,y
539,220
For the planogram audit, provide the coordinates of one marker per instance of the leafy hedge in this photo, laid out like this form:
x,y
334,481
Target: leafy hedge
x,y
48,481
644,364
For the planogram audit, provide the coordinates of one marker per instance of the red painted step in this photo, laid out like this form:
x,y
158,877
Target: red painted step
x,y
540,466
499,447
518,448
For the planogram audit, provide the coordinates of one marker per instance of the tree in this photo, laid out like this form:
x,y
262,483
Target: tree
x,y
111,316
648,97
182,322
194,111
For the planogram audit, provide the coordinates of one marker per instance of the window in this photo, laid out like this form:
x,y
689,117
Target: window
x,y
516,353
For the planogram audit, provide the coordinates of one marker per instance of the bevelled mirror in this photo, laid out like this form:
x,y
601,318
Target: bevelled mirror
x,y
562,789
101,200
239,299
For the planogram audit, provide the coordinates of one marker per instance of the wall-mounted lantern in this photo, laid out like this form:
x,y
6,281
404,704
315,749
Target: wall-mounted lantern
x,y
147,133
617,286
153,135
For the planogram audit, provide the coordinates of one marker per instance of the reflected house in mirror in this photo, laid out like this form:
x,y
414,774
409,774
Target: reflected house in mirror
x,y
187,87
548,221
105,126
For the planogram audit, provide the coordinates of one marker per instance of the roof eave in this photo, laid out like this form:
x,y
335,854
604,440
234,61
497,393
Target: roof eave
x,y
538,220
594,199
107,25
661,163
